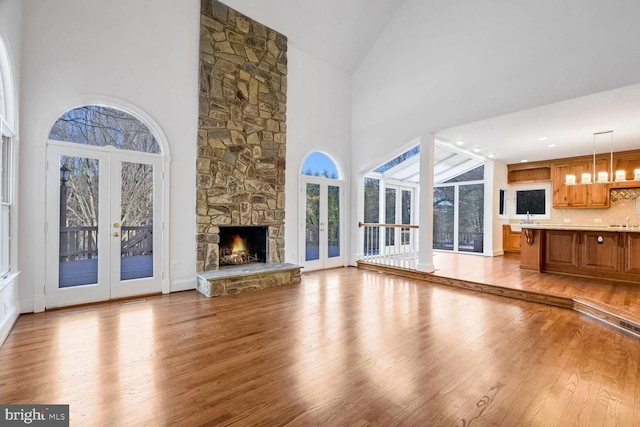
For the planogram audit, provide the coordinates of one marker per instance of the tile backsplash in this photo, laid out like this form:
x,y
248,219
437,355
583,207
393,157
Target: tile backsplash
x,y
624,203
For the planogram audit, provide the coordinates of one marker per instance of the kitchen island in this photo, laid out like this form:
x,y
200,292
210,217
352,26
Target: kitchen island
x,y
611,252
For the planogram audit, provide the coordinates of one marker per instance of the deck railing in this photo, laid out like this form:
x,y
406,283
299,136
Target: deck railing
x,y
395,245
467,242
77,243
136,240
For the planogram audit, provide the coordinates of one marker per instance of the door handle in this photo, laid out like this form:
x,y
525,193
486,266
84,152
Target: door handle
x,y
116,234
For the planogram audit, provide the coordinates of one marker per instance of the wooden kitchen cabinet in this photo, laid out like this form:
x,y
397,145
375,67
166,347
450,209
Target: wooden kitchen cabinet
x,y
578,251
532,249
600,251
632,253
520,173
579,196
511,240
598,194
561,249
569,196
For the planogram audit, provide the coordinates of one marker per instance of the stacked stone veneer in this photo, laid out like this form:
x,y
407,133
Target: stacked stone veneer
x,y
242,129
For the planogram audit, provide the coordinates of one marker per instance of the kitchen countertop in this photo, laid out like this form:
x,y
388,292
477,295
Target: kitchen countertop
x,y
633,228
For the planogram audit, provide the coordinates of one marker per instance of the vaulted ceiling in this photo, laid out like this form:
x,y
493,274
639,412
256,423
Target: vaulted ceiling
x,y
342,32
339,32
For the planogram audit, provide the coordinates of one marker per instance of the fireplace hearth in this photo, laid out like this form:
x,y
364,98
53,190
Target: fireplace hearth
x,y
243,245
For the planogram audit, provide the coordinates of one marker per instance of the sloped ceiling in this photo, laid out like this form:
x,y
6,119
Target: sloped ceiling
x,y
342,32
339,32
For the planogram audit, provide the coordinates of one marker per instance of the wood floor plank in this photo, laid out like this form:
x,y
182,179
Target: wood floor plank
x,y
346,347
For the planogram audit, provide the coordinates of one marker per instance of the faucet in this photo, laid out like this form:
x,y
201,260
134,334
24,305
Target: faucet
x,y
528,220
626,221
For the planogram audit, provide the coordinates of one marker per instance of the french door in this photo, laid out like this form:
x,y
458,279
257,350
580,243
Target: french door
x,y
398,209
103,224
322,224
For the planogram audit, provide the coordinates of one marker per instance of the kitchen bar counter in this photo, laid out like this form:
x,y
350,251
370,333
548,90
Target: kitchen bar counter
x,y
620,228
611,252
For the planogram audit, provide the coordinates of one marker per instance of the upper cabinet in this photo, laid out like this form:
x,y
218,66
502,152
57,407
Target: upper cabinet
x,y
522,173
579,196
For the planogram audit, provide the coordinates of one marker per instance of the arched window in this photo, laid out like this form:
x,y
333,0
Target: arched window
x,y
2,100
102,126
320,165
321,209
8,125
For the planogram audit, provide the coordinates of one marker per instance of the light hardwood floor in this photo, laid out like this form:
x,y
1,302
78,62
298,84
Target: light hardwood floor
x,y
614,302
345,347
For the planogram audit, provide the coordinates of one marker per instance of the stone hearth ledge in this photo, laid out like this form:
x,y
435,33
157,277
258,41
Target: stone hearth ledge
x,y
236,279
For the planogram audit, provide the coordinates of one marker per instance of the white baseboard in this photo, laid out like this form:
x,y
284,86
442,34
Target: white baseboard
x,y
7,325
183,285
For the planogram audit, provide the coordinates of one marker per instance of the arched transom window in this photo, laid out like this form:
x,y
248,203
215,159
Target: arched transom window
x,y
320,165
103,126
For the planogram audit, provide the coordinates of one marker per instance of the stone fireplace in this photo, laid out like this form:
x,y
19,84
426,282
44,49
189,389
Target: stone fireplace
x,y
241,136
243,245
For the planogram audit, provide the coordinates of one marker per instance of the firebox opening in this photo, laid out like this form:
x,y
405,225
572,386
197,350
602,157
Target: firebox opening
x,y
243,245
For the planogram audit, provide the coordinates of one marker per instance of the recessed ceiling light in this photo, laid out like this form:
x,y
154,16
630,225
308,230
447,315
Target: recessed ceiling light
x,y
476,150
551,145
543,138
491,155
460,143
524,161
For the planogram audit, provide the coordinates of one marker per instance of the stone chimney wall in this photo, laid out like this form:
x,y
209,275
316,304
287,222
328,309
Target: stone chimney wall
x,y
241,131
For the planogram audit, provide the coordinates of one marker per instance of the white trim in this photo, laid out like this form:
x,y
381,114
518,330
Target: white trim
x,y
506,206
332,157
182,285
322,262
391,155
161,138
118,104
8,321
164,157
512,203
105,149
8,87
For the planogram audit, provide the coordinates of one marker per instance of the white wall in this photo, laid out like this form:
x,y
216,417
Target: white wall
x,y
146,55
143,53
318,119
440,64
498,181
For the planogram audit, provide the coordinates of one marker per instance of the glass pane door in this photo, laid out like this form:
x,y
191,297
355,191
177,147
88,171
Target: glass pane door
x,y
136,221
135,225
103,240
443,217
79,201
333,221
390,216
405,212
471,218
312,230
77,241
322,224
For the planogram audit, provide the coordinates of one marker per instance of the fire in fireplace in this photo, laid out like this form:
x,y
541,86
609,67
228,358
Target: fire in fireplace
x,y
243,245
